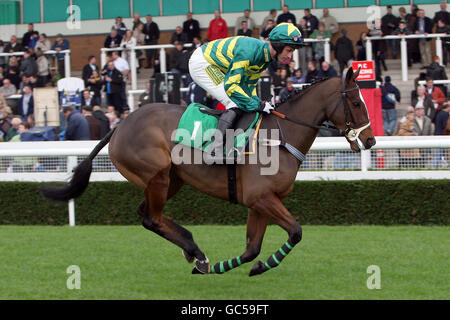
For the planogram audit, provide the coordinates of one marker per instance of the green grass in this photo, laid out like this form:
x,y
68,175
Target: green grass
x,y
129,262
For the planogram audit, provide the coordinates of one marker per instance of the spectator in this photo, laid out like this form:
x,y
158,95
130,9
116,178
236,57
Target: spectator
x,y
402,16
196,94
443,14
286,16
59,45
125,113
88,69
269,25
408,157
424,101
86,99
250,22
389,24
403,30
343,50
291,68
5,120
43,43
2,50
147,96
389,96
136,20
114,84
442,118
113,40
436,93
33,40
437,72
151,31
327,71
29,65
178,35
8,89
411,19
319,47
139,35
286,92
298,76
43,69
330,22
123,66
119,26
312,73
77,125
197,42
13,46
305,51
312,23
283,76
422,124
191,27
443,28
127,43
93,123
271,16
424,26
14,130
22,164
361,47
218,28
26,104
104,121
114,120
27,36
378,48
244,30
95,84
179,59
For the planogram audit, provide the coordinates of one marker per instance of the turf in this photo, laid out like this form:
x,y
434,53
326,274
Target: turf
x,y
129,262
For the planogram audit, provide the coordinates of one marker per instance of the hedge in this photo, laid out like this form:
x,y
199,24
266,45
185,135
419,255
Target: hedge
x,y
411,202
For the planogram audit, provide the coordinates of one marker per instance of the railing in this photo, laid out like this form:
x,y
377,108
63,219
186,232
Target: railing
x,y
328,159
404,49
67,70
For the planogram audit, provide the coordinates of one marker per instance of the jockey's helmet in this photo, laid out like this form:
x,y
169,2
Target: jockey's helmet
x,y
285,34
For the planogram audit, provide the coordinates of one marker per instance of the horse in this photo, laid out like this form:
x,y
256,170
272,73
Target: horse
x,y
140,148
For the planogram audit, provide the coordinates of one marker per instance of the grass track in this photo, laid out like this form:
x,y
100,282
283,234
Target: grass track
x,y
129,262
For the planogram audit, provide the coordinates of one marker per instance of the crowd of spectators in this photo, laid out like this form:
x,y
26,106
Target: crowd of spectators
x,y
21,74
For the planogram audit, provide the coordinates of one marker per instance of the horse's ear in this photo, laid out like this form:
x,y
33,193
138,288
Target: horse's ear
x,y
356,74
349,75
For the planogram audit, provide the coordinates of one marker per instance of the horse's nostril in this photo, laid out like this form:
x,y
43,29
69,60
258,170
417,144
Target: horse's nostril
x,y
370,142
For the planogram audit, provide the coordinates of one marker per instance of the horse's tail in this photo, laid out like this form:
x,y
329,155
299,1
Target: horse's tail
x,y
80,179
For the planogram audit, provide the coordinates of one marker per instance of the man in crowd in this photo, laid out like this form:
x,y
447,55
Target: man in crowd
x,y
218,28
27,36
389,24
29,65
120,26
136,20
327,71
244,30
329,21
319,47
389,96
77,125
423,124
436,93
26,104
113,39
191,27
312,23
114,84
285,92
343,50
151,31
59,45
443,14
286,16
123,66
246,17
267,29
87,69
424,26
93,123
13,46
178,36
179,59
271,16
8,89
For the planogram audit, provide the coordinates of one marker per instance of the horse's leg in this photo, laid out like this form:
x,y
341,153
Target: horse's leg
x,y
256,227
156,194
271,206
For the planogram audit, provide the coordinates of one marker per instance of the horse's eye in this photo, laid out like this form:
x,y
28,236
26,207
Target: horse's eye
x,y
356,104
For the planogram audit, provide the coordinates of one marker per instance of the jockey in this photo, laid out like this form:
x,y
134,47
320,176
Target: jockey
x,y
229,69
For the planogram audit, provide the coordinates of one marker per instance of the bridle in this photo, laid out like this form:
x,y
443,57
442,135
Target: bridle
x,y
351,133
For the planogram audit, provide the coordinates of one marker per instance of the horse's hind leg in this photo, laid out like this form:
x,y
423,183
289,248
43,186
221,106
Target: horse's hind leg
x,y
156,194
256,227
271,206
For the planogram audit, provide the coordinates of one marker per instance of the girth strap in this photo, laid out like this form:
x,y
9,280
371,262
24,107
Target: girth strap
x,y
232,188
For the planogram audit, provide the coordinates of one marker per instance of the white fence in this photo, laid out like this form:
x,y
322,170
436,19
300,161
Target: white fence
x,y
328,159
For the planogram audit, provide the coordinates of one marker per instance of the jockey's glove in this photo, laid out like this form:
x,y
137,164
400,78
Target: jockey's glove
x,y
266,107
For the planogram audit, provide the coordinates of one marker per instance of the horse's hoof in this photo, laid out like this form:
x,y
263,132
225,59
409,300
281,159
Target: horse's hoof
x,y
201,267
188,257
257,268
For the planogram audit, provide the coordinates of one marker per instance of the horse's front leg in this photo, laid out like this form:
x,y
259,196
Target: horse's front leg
x,y
271,206
256,227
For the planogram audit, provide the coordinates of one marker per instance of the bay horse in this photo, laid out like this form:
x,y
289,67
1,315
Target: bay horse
x,y
140,148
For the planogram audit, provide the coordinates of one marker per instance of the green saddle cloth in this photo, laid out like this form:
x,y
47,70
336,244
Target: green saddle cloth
x,y
196,129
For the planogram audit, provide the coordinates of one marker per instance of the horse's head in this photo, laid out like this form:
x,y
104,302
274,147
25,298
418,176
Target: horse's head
x,y
350,113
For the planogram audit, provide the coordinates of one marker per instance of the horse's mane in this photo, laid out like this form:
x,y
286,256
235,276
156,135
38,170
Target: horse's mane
x,y
298,93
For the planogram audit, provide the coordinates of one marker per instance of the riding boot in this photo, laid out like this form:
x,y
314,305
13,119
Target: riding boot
x,y
226,121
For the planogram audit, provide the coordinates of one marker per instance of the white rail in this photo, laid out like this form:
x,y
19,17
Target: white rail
x,y
403,47
73,149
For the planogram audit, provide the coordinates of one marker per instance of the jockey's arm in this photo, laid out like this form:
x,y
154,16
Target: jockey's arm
x,y
234,86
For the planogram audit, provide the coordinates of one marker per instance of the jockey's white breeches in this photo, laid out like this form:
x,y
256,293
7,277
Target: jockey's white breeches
x,y
209,78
